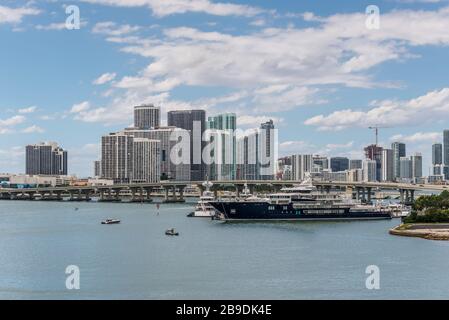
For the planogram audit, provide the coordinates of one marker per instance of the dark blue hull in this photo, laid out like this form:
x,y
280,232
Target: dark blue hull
x,y
265,211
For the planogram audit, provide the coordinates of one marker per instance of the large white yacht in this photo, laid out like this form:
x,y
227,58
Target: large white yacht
x,y
203,209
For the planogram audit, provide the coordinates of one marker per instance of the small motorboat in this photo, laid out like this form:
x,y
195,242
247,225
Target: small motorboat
x,y
171,232
110,221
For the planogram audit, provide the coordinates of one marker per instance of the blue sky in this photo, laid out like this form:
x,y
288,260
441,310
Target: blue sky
x,y
312,66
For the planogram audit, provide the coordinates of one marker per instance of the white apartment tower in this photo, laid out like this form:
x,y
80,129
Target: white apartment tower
x,y
146,167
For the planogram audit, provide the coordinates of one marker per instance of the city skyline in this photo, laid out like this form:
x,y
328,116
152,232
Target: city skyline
x,y
125,154
147,129
77,85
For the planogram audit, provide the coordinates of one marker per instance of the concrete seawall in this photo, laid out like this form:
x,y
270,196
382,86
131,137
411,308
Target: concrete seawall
x,y
434,231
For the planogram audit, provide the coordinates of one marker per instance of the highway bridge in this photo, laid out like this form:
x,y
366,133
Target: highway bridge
x,y
174,190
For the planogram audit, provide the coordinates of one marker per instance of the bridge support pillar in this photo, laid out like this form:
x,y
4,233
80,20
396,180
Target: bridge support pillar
x,y
251,188
181,194
141,194
166,194
148,193
401,193
368,191
174,194
117,195
363,191
101,191
412,196
133,195
174,198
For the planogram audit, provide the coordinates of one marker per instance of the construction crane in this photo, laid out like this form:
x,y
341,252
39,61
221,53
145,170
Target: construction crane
x,y
376,130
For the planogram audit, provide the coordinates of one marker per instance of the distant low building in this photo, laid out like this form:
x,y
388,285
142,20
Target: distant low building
x,y
96,182
436,179
24,181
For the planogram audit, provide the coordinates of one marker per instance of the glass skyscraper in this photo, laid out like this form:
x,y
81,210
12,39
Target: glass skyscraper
x,y
437,153
398,152
224,168
446,147
186,119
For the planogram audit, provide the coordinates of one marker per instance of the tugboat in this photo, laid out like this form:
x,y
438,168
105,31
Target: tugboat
x,y
171,232
110,221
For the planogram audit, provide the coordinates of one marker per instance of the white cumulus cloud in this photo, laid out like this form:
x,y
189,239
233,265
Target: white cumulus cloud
x,y
105,78
15,15
27,110
33,129
163,8
432,106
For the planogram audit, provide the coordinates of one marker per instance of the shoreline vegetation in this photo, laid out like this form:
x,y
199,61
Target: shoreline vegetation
x,y
429,219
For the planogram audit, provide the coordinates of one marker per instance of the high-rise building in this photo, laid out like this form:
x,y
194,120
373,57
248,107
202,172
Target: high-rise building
x,y
387,165
147,116
116,157
46,158
97,168
195,122
437,169
301,165
437,153
146,167
374,152
441,169
172,150
398,152
247,156
339,164
225,121
416,161
268,151
355,164
446,147
320,163
405,168
355,175
369,170
285,168
225,126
